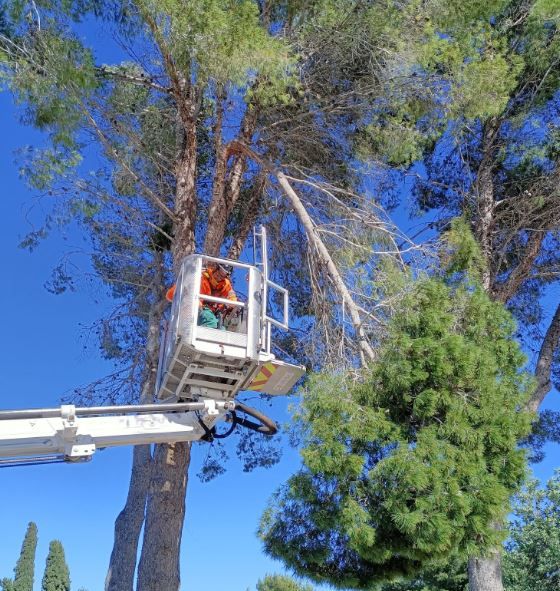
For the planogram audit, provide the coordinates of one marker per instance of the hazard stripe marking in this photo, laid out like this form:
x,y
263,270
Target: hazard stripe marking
x,y
265,371
263,376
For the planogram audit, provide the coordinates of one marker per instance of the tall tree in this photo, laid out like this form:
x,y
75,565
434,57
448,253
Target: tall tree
x,y
57,575
531,551
412,464
531,560
501,170
24,570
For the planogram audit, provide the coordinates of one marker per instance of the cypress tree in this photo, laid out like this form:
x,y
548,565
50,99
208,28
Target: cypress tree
x,y
24,571
57,575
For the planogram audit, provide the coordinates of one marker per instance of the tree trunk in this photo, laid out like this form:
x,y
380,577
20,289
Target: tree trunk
x,y
485,199
158,569
250,215
549,345
226,191
128,525
485,574
122,565
185,193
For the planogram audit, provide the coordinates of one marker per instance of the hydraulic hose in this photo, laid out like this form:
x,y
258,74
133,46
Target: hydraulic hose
x,y
266,426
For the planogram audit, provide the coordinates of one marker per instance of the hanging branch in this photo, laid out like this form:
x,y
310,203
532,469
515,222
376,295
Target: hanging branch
x,y
366,351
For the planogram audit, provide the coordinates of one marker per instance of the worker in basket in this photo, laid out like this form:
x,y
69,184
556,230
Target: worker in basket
x,y
215,281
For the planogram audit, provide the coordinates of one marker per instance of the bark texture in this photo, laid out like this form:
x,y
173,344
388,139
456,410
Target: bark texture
x,y
158,569
122,565
227,185
485,199
485,574
544,363
185,195
250,214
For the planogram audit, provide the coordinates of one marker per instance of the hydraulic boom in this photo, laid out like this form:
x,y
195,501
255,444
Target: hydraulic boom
x,y
73,434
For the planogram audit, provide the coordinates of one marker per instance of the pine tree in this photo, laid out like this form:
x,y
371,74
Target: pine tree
x,y
532,560
416,462
57,575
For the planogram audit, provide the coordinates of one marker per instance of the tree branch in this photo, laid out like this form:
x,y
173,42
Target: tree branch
x,y
110,148
227,188
505,291
366,351
249,218
544,362
139,80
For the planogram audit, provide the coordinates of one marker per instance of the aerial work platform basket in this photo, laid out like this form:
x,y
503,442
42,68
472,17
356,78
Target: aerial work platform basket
x,y
197,361
200,372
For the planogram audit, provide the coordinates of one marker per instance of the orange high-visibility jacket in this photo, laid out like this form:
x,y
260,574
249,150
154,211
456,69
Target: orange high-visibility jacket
x,y
217,289
209,286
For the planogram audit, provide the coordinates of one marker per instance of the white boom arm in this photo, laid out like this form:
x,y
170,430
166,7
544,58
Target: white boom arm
x,y
73,434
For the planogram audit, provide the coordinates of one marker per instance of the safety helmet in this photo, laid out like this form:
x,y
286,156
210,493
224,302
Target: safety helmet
x,y
227,269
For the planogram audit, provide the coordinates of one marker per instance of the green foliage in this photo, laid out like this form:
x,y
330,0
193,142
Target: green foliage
x,y
50,75
462,254
531,560
225,39
7,584
281,583
539,46
450,575
396,137
417,461
43,168
443,61
484,85
57,575
25,567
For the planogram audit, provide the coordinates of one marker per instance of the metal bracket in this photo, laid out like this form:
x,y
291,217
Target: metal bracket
x,y
69,423
76,447
210,407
